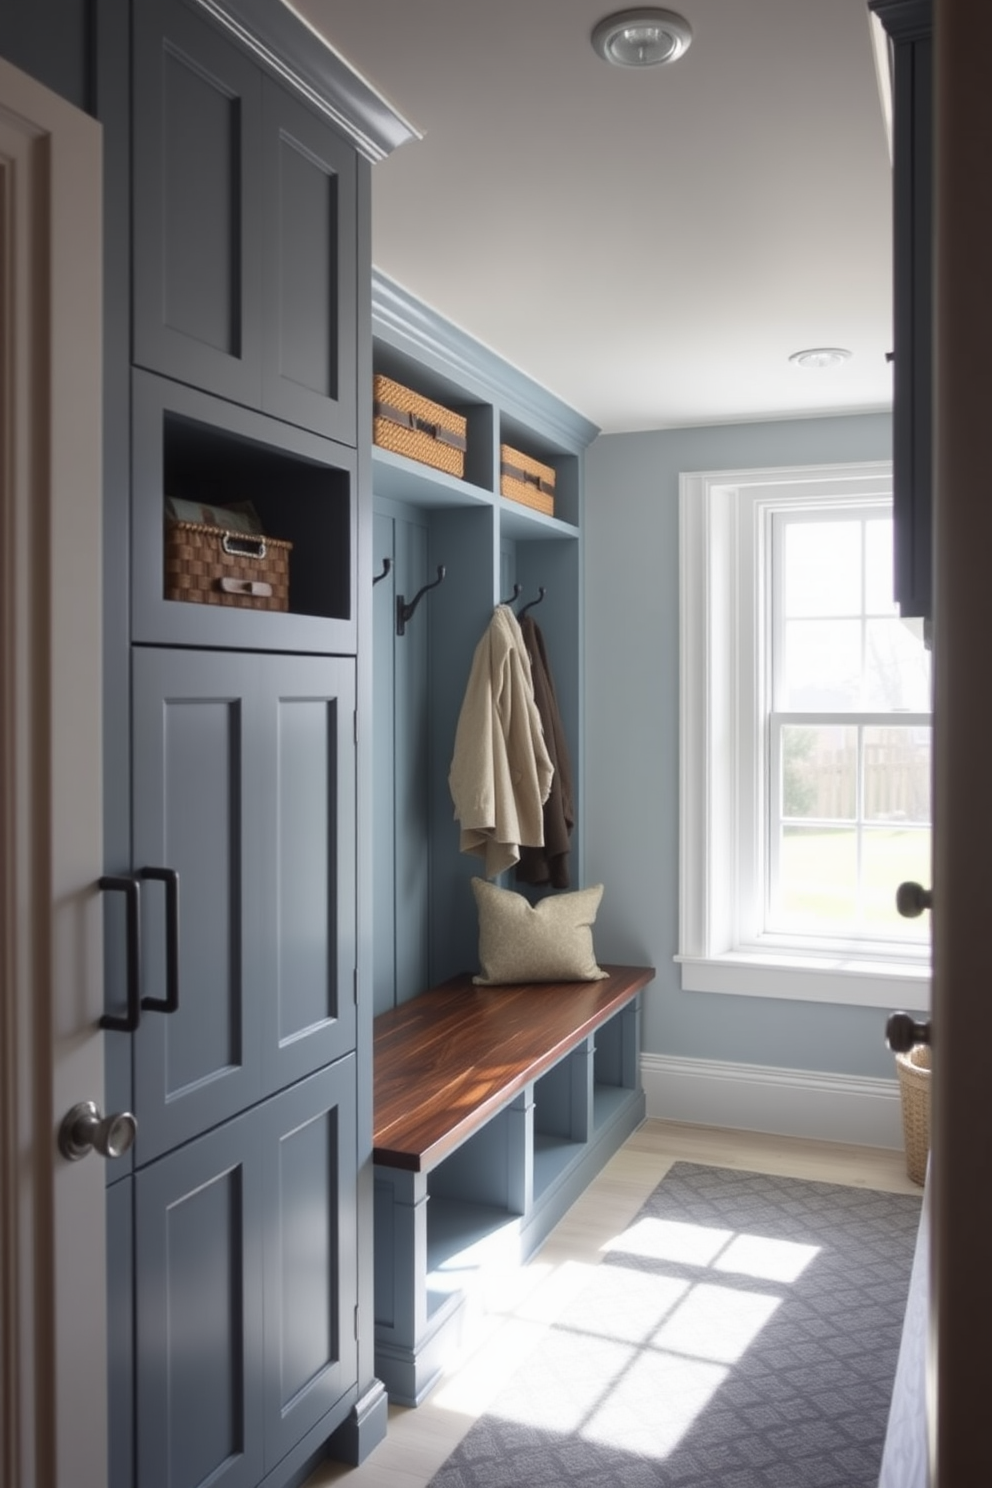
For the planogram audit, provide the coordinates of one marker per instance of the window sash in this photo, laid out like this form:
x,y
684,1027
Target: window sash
x,y
775,919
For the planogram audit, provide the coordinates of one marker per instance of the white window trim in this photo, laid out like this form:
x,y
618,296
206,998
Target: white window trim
x,y
720,516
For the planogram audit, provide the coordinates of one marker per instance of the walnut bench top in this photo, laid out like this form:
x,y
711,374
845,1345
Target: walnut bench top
x,y
448,1059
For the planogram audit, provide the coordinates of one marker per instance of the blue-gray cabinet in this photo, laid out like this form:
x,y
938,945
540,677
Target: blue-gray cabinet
x,y
909,24
245,228
246,1290
244,784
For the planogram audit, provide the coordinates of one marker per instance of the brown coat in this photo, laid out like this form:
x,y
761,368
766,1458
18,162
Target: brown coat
x,y
549,864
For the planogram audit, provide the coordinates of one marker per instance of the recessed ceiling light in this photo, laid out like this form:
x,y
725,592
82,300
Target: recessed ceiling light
x,y
820,356
642,38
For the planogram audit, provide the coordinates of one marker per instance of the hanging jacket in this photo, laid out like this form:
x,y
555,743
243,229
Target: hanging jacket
x,y
549,863
501,771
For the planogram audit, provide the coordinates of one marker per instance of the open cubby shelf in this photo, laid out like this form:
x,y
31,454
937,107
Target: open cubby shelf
x,y
194,447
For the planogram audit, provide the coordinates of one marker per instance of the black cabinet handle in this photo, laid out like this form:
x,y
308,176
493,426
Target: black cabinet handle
x,y
130,889
170,1002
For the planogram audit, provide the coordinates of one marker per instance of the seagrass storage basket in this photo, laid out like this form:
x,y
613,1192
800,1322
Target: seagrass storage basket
x,y
411,425
210,565
524,479
913,1070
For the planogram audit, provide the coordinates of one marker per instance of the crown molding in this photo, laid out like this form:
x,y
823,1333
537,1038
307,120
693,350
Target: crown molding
x,y
294,51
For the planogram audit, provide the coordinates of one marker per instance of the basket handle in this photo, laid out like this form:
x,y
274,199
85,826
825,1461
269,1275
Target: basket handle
x,y
243,547
245,586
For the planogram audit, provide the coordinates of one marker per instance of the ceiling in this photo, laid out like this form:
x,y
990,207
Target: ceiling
x,y
650,245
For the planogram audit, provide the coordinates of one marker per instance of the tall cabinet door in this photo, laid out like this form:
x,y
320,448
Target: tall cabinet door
x,y
243,781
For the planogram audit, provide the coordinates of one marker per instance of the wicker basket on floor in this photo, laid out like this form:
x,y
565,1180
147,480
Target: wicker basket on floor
x,y
913,1070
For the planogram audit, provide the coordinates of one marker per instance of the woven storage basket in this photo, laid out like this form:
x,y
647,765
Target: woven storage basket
x,y
411,425
208,565
913,1070
524,479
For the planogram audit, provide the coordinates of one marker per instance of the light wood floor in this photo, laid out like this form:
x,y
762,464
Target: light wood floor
x,y
512,1317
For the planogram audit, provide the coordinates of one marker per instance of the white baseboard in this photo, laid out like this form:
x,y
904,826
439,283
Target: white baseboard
x,y
762,1098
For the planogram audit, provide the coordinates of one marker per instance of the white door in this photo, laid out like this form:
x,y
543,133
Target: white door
x,y
52,1245
961,1296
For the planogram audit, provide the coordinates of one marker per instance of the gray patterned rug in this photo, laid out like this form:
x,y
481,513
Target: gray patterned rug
x,y
741,1333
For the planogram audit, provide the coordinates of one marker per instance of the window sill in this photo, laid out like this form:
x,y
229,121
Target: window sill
x,y
834,979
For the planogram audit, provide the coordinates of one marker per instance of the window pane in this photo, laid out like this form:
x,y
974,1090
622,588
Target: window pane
x,y
822,666
879,567
889,858
819,772
897,774
897,668
818,877
822,568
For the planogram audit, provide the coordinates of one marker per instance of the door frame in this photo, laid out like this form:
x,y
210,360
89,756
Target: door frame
x,y
53,1401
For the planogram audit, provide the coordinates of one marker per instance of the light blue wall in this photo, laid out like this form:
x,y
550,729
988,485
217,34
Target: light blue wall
x,y
632,737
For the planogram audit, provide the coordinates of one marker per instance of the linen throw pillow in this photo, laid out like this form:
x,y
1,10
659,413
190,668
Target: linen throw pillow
x,y
547,942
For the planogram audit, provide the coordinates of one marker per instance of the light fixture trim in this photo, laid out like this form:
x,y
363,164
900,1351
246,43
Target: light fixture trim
x,y
821,357
646,37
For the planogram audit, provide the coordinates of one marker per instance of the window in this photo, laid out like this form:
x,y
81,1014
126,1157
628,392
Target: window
x,y
805,724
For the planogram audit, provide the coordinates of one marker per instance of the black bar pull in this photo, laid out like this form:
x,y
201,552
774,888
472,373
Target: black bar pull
x,y
170,1002
130,889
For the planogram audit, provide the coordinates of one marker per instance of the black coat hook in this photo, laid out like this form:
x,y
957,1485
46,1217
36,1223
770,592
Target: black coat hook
x,y
541,592
516,591
404,611
387,564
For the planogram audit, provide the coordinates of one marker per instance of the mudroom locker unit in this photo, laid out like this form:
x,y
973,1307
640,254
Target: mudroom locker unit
x,y
281,861
237,370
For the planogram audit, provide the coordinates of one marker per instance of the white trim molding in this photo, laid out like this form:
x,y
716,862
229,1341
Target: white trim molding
x,y
762,1098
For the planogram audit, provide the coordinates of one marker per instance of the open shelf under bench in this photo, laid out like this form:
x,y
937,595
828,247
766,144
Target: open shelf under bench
x,y
494,1108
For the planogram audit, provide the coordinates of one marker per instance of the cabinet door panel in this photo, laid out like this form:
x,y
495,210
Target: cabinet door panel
x,y
199,1313
310,1254
309,268
305,866
196,195
195,775
244,782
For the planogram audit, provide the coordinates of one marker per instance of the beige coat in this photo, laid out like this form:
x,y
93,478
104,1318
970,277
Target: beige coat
x,y
500,772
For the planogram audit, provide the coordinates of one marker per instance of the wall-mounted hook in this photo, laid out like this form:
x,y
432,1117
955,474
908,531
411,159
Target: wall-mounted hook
x,y
404,611
541,592
387,564
516,592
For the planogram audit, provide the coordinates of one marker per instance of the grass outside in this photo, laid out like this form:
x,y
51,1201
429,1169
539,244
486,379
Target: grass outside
x,y
818,877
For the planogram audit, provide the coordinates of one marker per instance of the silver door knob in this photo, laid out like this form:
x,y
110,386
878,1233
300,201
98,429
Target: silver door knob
x,y
912,899
84,1130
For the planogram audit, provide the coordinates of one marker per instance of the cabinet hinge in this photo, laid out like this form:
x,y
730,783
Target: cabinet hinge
x,y
354,720
356,1324
354,985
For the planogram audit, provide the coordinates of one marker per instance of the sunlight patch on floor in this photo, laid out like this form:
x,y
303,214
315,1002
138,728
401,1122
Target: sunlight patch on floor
x,y
635,1338
764,1259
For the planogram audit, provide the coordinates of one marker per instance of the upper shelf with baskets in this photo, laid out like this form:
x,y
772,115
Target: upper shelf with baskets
x,y
455,426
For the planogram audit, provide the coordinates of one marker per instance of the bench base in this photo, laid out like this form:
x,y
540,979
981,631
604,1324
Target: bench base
x,y
445,1236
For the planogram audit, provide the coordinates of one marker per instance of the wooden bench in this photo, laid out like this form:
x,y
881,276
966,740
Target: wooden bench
x,y
494,1107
